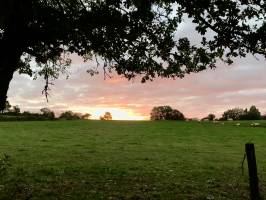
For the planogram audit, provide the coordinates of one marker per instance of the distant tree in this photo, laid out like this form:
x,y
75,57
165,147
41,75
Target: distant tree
x,y
16,110
244,116
47,113
235,114
106,116
161,113
69,115
254,113
86,116
211,117
176,115
166,113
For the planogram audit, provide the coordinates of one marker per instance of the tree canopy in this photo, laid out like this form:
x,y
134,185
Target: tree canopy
x,y
106,116
131,36
242,114
166,113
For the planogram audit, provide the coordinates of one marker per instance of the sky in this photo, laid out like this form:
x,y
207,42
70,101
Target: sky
x,y
241,84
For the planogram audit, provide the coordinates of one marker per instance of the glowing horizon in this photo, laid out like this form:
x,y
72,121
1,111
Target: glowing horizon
x,y
117,113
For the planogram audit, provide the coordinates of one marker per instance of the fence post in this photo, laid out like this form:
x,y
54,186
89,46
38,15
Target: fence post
x,y
252,169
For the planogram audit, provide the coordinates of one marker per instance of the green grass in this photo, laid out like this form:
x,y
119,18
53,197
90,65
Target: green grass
x,y
128,160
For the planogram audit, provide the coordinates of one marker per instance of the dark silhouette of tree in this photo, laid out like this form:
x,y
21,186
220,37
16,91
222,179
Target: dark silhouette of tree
x,y
211,117
176,115
235,114
242,114
166,113
131,36
252,114
47,113
16,110
106,116
69,115
86,116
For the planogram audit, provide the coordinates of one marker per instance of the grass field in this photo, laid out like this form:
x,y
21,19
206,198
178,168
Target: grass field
x,y
127,160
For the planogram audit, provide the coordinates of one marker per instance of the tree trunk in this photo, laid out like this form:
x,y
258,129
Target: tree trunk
x,y
7,69
10,53
11,44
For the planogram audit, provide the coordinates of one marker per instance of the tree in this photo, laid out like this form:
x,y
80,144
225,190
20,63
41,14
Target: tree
x,y
106,116
161,113
177,115
47,113
235,114
16,110
69,115
86,116
253,113
211,117
131,36
166,113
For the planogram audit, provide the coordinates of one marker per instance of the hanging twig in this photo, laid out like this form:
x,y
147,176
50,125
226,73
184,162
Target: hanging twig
x,y
46,86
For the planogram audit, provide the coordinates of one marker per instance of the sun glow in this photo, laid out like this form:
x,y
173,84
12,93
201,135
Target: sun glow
x,y
117,113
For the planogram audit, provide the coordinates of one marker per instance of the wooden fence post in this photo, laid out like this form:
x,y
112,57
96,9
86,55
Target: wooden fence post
x,y
252,169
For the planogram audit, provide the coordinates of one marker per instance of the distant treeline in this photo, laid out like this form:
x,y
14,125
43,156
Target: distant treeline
x,y
168,113
13,113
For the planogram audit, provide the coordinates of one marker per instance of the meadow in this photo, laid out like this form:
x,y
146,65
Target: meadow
x,y
125,160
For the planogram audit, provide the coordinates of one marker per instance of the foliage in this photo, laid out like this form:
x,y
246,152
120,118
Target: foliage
x,y
234,114
166,113
86,116
242,114
252,114
106,116
47,113
69,115
16,110
11,110
14,114
131,36
211,117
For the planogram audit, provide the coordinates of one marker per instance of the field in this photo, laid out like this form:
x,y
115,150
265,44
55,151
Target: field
x,y
127,160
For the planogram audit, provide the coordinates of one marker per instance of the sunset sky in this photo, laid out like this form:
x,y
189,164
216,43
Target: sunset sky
x,y
212,91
